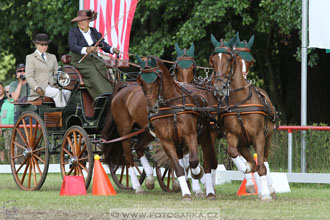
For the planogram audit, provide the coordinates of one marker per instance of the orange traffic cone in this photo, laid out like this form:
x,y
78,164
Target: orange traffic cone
x,y
73,186
101,183
242,189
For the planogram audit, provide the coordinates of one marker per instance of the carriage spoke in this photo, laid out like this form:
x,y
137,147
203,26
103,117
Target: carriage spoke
x,y
82,151
29,177
31,130
20,167
169,178
39,158
37,142
18,156
37,165
82,166
70,143
75,144
25,171
66,151
80,171
22,137
138,169
121,175
35,133
19,145
83,158
26,132
164,174
34,172
70,171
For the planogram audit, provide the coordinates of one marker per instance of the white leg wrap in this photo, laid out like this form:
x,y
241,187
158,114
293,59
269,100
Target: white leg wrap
x,y
186,161
196,170
146,166
248,168
208,185
181,162
248,177
239,164
183,185
203,180
257,179
195,185
135,181
264,186
214,176
269,177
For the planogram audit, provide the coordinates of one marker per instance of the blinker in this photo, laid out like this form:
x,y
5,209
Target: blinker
x,y
148,77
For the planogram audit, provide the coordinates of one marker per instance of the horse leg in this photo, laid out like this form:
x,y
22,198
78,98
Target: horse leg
x,y
232,141
140,148
246,155
268,175
170,150
194,183
262,171
210,161
130,165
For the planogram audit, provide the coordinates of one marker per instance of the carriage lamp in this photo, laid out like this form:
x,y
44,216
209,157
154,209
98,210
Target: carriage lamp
x,y
63,78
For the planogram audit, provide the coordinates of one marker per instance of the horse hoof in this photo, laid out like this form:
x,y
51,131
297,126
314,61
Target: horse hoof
x,y
266,198
186,197
272,192
198,176
250,189
139,190
150,182
199,194
176,186
211,196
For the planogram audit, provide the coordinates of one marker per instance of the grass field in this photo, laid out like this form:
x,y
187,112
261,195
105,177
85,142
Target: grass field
x,y
310,201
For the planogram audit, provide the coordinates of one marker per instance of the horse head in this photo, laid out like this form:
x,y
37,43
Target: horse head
x,y
150,79
243,50
222,62
185,64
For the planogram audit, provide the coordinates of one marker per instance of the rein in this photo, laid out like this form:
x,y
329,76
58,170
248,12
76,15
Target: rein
x,y
103,141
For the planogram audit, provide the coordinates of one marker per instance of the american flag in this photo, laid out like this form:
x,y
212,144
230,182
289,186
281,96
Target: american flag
x,y
114,19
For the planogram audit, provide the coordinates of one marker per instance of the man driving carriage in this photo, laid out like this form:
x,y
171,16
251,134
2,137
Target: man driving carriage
x,y
82,40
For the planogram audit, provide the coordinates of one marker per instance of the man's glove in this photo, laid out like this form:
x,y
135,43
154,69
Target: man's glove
x,y
115,50
40,91
91,49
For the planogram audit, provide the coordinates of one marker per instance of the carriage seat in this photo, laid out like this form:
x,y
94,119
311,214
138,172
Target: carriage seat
x,y
42,100
72,71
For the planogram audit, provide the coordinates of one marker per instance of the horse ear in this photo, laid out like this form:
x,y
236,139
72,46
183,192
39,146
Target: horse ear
x,y
250,43
153,62
214,41
140,61
238,40
191,50
233,42
179,52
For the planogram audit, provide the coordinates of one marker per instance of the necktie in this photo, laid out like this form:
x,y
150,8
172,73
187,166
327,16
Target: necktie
x,y
43,56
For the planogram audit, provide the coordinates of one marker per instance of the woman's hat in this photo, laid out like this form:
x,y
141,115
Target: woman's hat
x,y
42,39
85,14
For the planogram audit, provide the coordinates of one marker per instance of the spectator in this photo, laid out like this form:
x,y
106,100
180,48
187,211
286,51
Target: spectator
x,y
7,118
2,94
19,90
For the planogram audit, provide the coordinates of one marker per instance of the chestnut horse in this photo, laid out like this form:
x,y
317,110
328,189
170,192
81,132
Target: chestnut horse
x,y
172,111
131,111
248,115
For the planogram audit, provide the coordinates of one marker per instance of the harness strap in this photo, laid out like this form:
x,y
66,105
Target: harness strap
x,y
244,132
103,141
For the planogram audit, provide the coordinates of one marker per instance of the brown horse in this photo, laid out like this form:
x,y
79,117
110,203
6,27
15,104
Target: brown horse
x,y
248,115
129,110
174,118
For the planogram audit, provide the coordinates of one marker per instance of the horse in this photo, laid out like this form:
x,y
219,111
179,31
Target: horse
x,y
171,107
129,111
248,115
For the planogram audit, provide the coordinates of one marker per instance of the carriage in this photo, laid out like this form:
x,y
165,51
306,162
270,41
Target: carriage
x,y
71,133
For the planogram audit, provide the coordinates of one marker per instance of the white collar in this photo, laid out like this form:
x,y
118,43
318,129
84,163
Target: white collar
x,y
88,32
39,52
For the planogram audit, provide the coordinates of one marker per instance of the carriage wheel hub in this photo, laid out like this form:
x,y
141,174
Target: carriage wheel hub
x,y
27,152
73,160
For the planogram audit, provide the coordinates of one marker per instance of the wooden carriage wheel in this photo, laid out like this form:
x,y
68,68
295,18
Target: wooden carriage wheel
x,y
166,178
118,173
29,154
77,155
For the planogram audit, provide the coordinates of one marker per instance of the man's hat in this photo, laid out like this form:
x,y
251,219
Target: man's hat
x,y
85,14
42,39
19,66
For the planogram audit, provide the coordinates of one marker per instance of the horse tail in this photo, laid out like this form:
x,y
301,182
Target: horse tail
x,y
113,152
